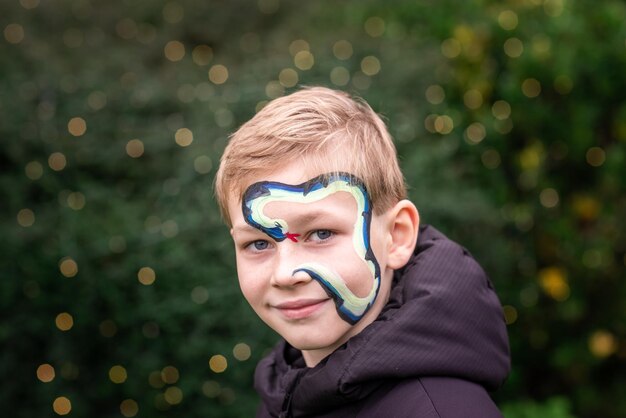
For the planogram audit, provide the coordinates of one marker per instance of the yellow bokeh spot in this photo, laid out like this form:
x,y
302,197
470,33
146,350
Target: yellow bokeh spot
x,y
342,49
443,124
174,51
62,405
218,74
288,77
553,281
118,374
218,363
34,170
170,375
129,408
473,99
77,126
64,321
297,46
587,208
14,33
374,26
57,161
146,276
45,373
183,137
549,197
242,351
68,267
202,54
304,60
531,87
274,89
602,343
475,133
340,76
173,395
25,217
202,164
513,47
508,20
501,110
595,156
510,314
531,157
435,94
76,200
134,148
370,65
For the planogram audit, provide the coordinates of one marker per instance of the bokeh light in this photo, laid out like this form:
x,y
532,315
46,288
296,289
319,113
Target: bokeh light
x,y
26,217
170,375
218,74
64,321
174,51
77,126
242,351
14,33
62,405
184,137
343,49
129,408
146,276
68,267
218,363
374,26
45,373
134,148
118,374
57,161
370,65
304,60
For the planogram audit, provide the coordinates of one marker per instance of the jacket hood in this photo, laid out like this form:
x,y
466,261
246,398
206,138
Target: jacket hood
x,y
443,318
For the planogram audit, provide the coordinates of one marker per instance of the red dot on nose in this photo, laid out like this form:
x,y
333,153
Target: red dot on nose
x,y
292,237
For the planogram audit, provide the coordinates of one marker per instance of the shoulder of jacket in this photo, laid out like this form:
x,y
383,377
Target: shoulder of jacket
x,y
430,397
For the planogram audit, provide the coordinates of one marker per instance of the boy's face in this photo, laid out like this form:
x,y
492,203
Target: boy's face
x,y
311,257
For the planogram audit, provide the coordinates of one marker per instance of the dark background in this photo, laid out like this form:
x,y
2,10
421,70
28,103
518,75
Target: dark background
x,y
510,121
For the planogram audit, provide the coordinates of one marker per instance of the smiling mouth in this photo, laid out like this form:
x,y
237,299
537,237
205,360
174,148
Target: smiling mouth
x,y
300,309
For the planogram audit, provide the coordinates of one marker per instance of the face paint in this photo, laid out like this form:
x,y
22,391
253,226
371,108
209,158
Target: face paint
x,y
350,307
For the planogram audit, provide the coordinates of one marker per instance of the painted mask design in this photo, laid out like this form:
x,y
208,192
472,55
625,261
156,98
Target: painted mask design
x,y
350,307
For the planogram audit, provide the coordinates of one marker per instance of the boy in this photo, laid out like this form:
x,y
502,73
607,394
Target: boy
x,y
380,317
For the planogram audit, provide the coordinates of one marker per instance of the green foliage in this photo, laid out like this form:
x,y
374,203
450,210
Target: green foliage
x,y
553,408
510,122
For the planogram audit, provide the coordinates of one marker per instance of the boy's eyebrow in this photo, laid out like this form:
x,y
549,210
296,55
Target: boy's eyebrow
x,y
300,220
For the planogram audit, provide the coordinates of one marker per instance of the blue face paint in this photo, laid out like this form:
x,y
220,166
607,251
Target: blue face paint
x,y
349,306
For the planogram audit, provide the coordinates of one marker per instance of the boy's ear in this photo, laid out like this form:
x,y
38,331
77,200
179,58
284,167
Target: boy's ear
x,y
404,221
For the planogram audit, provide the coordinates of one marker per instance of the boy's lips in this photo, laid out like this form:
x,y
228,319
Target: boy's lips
x,y
300,308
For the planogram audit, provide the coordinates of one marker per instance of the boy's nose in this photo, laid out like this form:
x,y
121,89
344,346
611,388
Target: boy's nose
x,y
286,263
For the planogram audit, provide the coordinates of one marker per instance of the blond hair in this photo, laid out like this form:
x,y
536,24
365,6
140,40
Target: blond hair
x,y
328,131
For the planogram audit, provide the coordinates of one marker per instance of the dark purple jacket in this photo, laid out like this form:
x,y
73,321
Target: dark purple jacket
x,y
436,348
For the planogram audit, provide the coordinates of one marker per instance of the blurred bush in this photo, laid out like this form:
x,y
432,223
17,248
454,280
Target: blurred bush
x,y
119,293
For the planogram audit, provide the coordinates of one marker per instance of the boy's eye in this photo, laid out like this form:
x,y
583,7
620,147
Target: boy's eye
x,y
259,245
321,235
